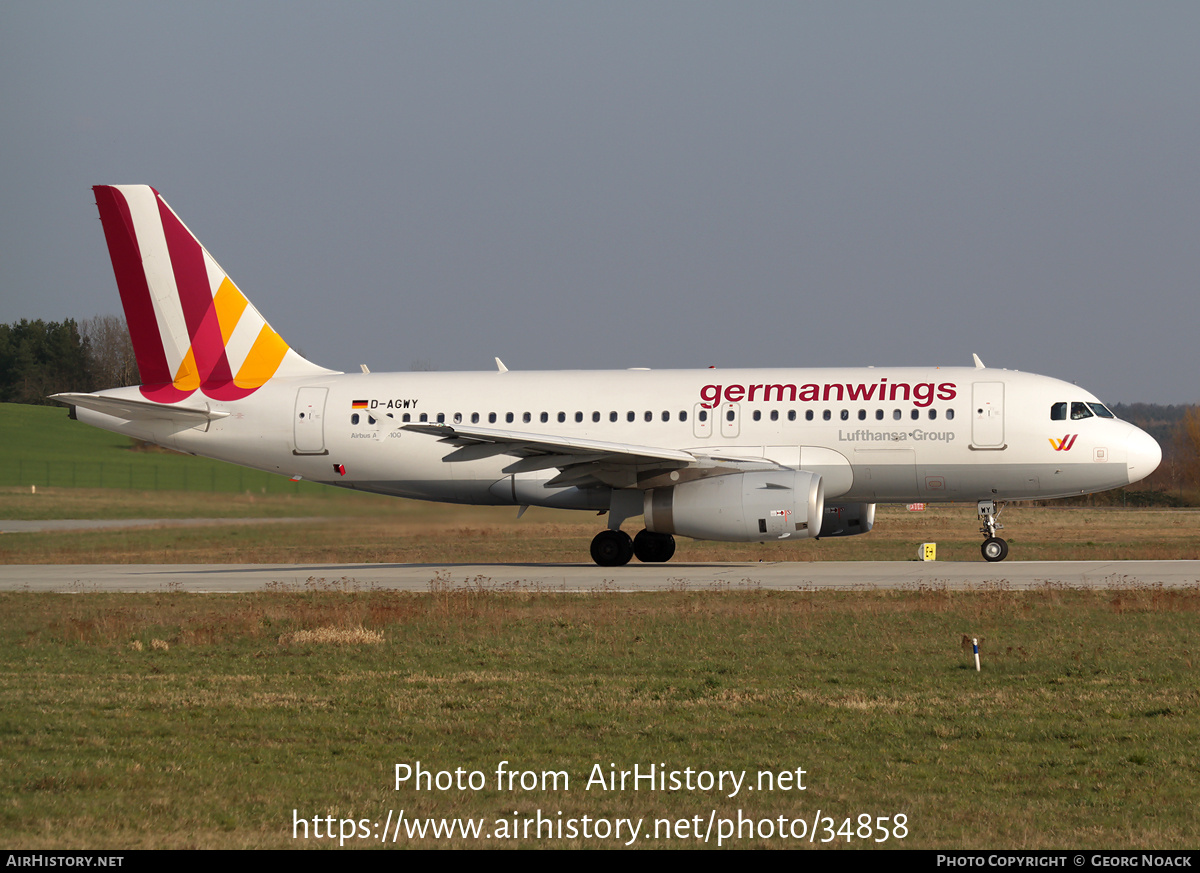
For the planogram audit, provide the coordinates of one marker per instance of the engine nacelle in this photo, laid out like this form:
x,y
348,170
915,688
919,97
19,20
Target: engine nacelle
x,y
739,507
847,519
529,489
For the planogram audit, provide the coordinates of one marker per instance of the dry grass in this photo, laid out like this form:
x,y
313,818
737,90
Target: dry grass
x,y
338,636
1083,720
400,531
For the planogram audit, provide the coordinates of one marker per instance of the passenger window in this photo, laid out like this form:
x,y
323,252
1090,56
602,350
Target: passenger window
x,y
666,416
791,415
896,414
631,416
932,414
545,416
474,418
441,418
729,415
491,418
879,415
704,415
458,418
578,417
595,416
826,415
808,415
1080,411
774,415
406,417
1058,412
949,414
862,415
845,415
683,416
424,417
916,413
649,415
527,417
354,418
758,415
508,416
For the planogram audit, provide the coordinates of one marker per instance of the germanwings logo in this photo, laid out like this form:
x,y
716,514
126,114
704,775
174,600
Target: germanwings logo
x,y
191,328
1063,445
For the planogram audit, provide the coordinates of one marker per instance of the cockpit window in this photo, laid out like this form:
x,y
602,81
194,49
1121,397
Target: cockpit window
x,y
1101,410
1080,410
1058,412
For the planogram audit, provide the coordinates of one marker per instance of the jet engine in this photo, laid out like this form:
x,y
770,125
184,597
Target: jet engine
x,y
739,507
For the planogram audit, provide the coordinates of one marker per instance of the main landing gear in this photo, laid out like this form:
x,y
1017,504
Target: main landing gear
x,y
614,548
993,548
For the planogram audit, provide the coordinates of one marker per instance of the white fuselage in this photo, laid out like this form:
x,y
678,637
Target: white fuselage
x,y
872,434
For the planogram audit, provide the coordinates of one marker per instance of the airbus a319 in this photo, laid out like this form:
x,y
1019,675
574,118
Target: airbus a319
x,y
741,455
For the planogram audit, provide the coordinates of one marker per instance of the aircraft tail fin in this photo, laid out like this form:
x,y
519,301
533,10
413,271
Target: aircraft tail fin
x,y
192,329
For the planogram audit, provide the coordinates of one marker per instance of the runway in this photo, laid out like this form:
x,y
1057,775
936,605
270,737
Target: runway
x,y
588,578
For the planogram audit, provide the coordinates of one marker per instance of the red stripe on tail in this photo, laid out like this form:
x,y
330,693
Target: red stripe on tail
x,y
196,299
126,258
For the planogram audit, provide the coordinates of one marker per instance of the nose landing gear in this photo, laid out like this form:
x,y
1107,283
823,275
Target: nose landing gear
x,y
994,548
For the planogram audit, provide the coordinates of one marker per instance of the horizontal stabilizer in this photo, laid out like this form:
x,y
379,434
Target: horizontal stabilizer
x,y
132,410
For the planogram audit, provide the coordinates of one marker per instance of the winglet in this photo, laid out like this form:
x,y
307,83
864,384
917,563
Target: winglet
x,y
978,363
500,366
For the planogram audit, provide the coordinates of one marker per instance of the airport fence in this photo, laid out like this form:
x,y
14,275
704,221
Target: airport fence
x,y
150,476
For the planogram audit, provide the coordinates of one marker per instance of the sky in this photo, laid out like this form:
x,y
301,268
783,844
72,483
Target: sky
x,y
426,185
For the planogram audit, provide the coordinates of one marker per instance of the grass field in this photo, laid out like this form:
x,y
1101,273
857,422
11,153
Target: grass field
x,y
44,448
172,720
367,528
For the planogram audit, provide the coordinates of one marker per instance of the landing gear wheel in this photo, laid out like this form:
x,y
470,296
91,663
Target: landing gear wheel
x,y
653,548
994,549
612,548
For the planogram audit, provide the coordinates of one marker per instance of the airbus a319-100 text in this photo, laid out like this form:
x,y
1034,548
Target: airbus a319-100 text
x,y
736,455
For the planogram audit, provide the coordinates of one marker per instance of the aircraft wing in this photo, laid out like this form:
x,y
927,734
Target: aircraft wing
x,y
579,460
133,410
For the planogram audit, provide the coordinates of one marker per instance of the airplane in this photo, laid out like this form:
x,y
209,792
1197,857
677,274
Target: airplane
x,y
740,455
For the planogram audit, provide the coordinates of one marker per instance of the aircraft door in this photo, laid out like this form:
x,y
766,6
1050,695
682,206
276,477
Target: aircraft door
x,y
987,415
702,421
309,421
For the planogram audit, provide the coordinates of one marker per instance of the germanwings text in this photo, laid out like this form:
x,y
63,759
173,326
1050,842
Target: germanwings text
x,y
920,394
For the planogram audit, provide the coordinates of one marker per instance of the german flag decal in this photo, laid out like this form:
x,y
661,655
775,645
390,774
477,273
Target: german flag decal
x,y
359,404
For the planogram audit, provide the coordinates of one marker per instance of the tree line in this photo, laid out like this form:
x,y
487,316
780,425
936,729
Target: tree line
x,y
39,358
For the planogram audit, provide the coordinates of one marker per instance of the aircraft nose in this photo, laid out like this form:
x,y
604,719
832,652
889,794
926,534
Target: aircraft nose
x,y
1143,455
